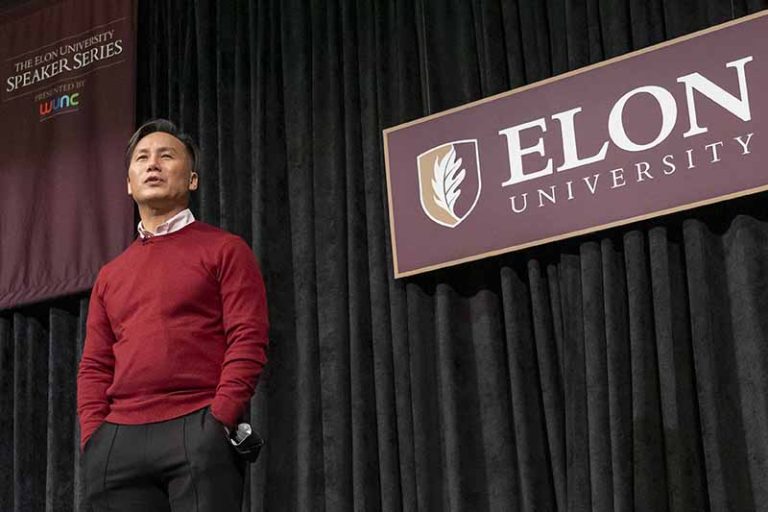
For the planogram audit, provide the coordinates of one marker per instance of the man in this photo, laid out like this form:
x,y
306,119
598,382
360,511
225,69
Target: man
x,y
176,339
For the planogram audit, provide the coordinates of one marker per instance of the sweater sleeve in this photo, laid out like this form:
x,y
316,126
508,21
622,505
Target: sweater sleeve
x,y
244,314
96,370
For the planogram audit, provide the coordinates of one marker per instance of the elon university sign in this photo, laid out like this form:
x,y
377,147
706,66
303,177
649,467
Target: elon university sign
x,y
671,127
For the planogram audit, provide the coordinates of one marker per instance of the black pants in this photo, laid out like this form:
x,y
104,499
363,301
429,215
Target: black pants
x,y
180,465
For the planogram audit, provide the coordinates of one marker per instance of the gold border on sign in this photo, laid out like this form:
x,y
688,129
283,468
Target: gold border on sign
x,y
570,234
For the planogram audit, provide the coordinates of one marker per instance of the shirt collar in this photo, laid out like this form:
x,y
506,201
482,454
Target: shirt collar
x,y
175,223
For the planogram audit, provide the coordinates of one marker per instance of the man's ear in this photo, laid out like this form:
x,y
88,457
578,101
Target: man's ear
x,y
128,183
193,181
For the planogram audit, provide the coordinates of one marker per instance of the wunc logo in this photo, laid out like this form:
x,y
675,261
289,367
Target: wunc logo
x,y
449,181
55,105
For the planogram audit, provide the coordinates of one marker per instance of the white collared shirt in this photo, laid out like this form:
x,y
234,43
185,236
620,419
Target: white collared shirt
x,y
175,223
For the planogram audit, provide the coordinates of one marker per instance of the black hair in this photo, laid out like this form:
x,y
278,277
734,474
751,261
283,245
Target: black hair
x,y
165,126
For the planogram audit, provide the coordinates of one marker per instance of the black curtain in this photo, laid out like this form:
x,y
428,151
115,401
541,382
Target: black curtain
x,y
624,370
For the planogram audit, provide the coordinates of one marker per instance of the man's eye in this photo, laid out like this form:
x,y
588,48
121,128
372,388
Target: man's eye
x,y
140,158
167,155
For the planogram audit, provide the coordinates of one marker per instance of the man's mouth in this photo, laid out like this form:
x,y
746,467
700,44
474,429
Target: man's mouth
x,y
153,179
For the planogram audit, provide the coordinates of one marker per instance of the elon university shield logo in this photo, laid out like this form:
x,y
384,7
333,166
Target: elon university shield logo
x,y
449,181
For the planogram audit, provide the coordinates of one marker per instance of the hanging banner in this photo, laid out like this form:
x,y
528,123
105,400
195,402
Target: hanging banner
x,y
66,114
667,128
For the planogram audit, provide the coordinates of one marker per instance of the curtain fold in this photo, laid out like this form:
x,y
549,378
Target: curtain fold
x,y
626,370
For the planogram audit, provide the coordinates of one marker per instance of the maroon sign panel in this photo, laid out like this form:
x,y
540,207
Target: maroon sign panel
x,y
66,113
671,127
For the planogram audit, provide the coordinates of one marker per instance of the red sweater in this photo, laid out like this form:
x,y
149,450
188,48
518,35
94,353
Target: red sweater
x,y
175,323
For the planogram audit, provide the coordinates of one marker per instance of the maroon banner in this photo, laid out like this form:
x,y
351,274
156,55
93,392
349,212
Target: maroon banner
x,y
671,127
66,113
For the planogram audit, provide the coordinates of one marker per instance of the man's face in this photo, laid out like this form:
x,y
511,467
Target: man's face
x,y
160,173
